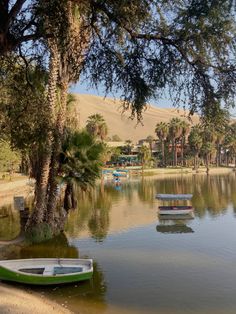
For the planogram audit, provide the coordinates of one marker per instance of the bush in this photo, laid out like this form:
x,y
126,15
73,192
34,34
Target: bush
x,y
39,233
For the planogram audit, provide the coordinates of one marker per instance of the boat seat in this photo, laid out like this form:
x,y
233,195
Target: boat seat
x,y
48,271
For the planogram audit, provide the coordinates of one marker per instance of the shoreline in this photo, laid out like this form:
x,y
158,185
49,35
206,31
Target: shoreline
x,y
21,185
16,301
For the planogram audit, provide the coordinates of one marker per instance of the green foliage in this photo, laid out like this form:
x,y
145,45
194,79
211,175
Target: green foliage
x,y
96,126
80,159
185,47
25,117
144,155
139,47
39,233
162,130
195,139
9,160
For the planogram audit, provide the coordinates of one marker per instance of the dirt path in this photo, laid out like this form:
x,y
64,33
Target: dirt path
x,y
19,187
16,301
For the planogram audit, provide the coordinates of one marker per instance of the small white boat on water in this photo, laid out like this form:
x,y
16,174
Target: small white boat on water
x,y
169,197
175,210
46,271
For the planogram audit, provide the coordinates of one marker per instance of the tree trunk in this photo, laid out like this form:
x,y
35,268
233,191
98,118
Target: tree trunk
x,y
163,152
41,186
54,167
173,152
218,156
70,201
182,151
207,164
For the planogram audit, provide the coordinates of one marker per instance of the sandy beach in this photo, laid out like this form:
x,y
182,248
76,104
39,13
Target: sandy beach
x,y
16,301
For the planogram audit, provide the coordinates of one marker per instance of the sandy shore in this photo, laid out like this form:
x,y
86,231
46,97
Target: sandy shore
x,y
16,301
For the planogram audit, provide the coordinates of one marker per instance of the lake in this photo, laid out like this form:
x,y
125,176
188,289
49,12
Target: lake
x,y
144,264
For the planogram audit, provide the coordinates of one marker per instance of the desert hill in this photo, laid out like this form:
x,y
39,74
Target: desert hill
x,y
119,123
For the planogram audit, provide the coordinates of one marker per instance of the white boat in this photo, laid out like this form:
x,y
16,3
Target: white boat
x,y
46,271
175,210
174,196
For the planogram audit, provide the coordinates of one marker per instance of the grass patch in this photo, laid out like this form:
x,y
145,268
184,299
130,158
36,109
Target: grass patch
x,y
39,233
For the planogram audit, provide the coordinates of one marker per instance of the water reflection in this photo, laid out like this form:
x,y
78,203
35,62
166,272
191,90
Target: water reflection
x,y
121,231
9,223
105,208
108,210
176,228
211,194
85,295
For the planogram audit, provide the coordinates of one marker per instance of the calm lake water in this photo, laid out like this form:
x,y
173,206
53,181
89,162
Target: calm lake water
x,y
144,264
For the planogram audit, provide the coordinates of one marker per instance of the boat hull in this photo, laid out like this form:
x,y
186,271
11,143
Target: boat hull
x,y
175,210
7,274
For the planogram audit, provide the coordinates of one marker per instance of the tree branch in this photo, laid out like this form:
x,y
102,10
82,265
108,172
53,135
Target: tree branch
x,y
15,10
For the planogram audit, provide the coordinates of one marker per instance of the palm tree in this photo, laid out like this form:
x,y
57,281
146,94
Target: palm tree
x,y
127,149
208,148
80,164
97,126
144,155
41,184
230,142
184,132
162,130
150,140
219,141
175,130
70,61
195,143
209,136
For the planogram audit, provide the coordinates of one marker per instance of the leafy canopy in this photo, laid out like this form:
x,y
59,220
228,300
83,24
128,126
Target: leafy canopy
x,y
141,48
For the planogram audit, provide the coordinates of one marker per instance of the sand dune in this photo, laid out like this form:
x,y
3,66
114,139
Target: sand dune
x,y
119,123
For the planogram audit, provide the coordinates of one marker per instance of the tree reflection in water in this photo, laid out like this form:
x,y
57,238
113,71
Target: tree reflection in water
x,y
9,223
176,228
212,195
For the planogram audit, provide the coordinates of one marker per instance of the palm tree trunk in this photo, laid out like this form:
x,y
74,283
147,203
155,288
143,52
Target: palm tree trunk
x,y
182,152
220,158
42,178
68,197
194,163
163,152
173,152
54,166
175,155
207,163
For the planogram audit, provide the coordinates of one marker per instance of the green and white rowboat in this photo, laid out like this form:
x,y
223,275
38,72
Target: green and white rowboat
x,y
46,271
